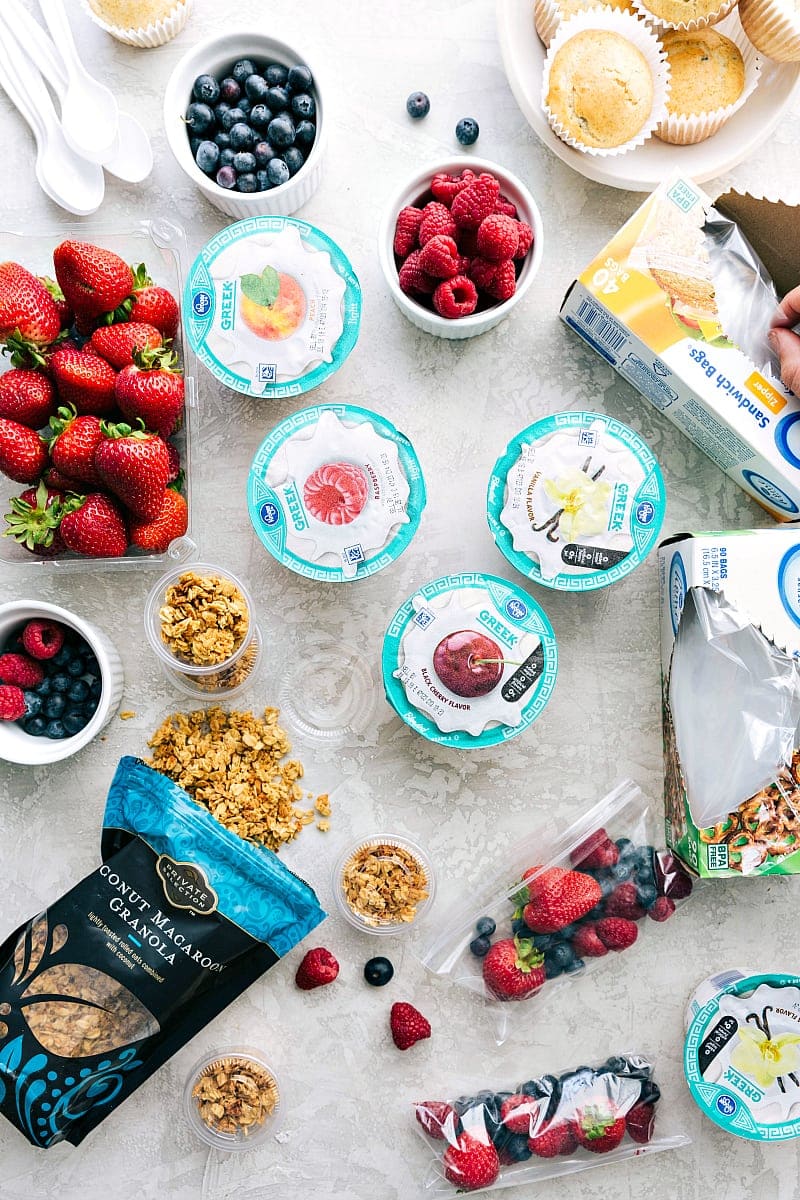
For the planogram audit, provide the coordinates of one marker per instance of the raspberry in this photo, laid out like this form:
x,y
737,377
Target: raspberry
x,y
436,221
446,187
439,257
21,670
624,902
587,944
42,639
438,1119
504,283
468,242
663,909
616,933
455,297
505,206
12,703
413,279
498,238
639,1123
406,230
481,272
525,235
475,202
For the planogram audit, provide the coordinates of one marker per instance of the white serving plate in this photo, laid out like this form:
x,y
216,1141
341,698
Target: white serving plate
x,y
642,170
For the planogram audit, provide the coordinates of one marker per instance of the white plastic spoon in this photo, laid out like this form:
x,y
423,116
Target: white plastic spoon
x,y
89,110
69,180
131,158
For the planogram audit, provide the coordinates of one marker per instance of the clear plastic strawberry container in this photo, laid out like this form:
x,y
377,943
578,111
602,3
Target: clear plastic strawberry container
x,y
161,245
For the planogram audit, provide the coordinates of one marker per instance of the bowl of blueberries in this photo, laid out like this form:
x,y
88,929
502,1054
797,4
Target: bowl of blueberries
x,y
244,120
60,682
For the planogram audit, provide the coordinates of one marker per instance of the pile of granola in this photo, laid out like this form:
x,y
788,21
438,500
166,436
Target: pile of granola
x,y
383,883
235,1095
204,619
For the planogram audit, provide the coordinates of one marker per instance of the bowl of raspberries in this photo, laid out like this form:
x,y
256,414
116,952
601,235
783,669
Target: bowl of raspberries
x,y
459,245
60,682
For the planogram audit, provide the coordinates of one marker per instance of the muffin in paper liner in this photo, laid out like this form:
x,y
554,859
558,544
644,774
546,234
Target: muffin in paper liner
x,y
549,14
156,33
669,17
684,129
773,27
634,31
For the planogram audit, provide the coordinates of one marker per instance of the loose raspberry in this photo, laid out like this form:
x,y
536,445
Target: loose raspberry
x,y
587,944
616,933
525,236
446,187
408,1025
42,639
21,670
406,230
481,272
12,703
624,902
475,202
456,297
504,283
439,257
413,279
317,969
505,206
498,237
663,909
436,221
595,852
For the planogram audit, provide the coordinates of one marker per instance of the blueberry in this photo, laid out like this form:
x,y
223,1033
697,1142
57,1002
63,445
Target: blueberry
x,y
303,106
226,157
242,70
226,177
480,946
650,1093
89,706
418,105
552,968
304,134
378,971
61,659
194,144
247,182
207,157
74,721
245,106
520,929
276,74
467,131
294,159
242,136
621,871
199,118
222,139
485,926
625,847
562,954
262,181
300,79
44,688
234,116
260,116
96,688
220,110
543,941
646,895
263,153
607,886
229,90
277,99
35,726
76,666
277,172
516,1147
631,1066
243,162
79,691
33,703
55,729
574,967
568,932
206,89
54,706
60,682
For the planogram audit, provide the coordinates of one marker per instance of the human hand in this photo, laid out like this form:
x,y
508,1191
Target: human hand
x,y
785,342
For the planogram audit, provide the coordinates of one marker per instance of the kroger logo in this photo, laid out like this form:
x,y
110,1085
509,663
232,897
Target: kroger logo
x,y
770,492
270,514
516,609
201,303
677,590
726,1104
645,512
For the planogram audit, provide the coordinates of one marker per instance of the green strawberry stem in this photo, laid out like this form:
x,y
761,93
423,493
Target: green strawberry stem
x,y
34,525
53,287
596,1121
122,312
64,417
528,957
122,430
159,358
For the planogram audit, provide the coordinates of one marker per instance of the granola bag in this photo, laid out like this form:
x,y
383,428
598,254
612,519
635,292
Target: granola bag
x,y
546,1126
106,984
561,906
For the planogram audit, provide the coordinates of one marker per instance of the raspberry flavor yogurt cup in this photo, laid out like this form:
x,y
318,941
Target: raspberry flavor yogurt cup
x,y
576,501
469,660
335,493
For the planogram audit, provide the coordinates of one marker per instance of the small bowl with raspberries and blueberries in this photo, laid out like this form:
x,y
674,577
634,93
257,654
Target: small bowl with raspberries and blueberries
x,y
244,120
60,682
459,245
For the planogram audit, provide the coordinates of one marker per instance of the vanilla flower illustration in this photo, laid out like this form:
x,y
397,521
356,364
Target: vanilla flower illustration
x,y
583,500
763,1058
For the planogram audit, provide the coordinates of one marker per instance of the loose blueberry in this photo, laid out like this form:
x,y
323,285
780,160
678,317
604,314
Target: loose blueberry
x,y
226,157
247,182
77,667
78,692
485,926
64,656
194,144
260,116
55,729
242,136
621,871
263,153
277,172
44,688
206,89
625,846
552,968
646,895
278,99
467,131
199,118
300,79
207,157
54,706
245,106
294,159
234,116
222,139
303,106
220,110
226,177
304,134
60,682
256,88
35,726
276,74
262,180
562,954
244,162
242,70
378,971
95,688
33,703
74,721
418,105
480,946
229,90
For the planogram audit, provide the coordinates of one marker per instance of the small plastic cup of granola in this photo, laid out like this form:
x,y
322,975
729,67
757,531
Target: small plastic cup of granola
x,y
384,884
232,1098
199,621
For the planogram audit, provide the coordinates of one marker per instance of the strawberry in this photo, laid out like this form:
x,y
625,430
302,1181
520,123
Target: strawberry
x,y
639,1123
93,280
513,969
23,452
408,1026
34,519
19,669
151,388
624,902
59,482
116,343
12,703
558,900
27,397
317,969
599,1127
438,1119
471,1164
617,933
150,304
595,852
517,1113
586,943
134,465
172,522
174,462
554,1140
73,445
94,527
662,910
65,313
28,317
84,380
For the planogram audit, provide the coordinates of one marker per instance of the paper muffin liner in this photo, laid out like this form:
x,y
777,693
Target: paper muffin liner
x,y
772,29
547,16
686,129
157,33
712,18
639,33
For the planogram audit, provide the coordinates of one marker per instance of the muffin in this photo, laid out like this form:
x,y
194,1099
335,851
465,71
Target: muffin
x,y
708,76
143,23
548,14
685,14
773,27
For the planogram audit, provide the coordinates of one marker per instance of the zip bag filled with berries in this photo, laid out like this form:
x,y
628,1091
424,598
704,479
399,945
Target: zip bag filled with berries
x,y
545,1126
562,906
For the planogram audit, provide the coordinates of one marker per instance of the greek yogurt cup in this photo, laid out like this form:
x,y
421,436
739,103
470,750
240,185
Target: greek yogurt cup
x,y
335,493
742,1054
272,306
576,502
469,661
